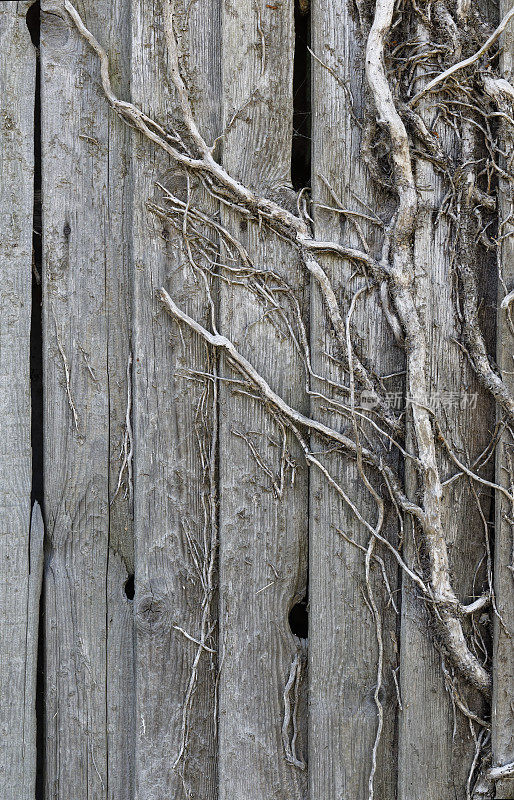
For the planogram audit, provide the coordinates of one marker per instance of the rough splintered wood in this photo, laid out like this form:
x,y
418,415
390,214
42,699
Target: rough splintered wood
x,y
111,23
37,535
436,747
175,736
262,538
88,619
343,648
17,661
503,650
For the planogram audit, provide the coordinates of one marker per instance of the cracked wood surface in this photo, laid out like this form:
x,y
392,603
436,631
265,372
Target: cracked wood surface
x,y
343,650
88,619
135,706
503,649
263,539
17,591
175,696
429,730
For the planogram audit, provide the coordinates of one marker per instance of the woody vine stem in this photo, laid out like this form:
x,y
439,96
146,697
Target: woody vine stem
x,y
452,40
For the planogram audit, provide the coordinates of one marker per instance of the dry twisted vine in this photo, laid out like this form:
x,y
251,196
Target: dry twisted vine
x,y
393,275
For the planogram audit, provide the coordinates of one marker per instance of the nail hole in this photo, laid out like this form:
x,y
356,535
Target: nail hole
x,y
129,588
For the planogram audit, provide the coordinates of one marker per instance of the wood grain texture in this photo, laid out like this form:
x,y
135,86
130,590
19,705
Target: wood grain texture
x,y
89,695
503,650
135,708
175,736
111,23
17,592
431,731
343,644
263,539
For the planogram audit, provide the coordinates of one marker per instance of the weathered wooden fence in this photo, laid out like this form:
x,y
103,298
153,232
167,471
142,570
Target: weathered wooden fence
x,y
173,655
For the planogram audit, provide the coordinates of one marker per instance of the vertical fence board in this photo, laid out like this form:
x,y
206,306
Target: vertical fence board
x,y
19,624
87,617
262,538
111,23
175,747
503,649
432,731
343,648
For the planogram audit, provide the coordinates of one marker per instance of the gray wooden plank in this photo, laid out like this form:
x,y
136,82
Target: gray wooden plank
x,y
37,535
111,23
17,587
174,523
88,620
436,744
343,649
503,650
263,538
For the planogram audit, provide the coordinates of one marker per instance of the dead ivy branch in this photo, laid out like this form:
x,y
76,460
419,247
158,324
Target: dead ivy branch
x,y
289,725
471,96
242,365
497,773
67,374
127,448
401,272
467,62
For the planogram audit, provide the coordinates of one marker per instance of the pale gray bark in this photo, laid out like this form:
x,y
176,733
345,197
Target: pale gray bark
x,y
17,583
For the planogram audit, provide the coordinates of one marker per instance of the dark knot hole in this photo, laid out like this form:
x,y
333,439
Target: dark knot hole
x,y
129,588
299,619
